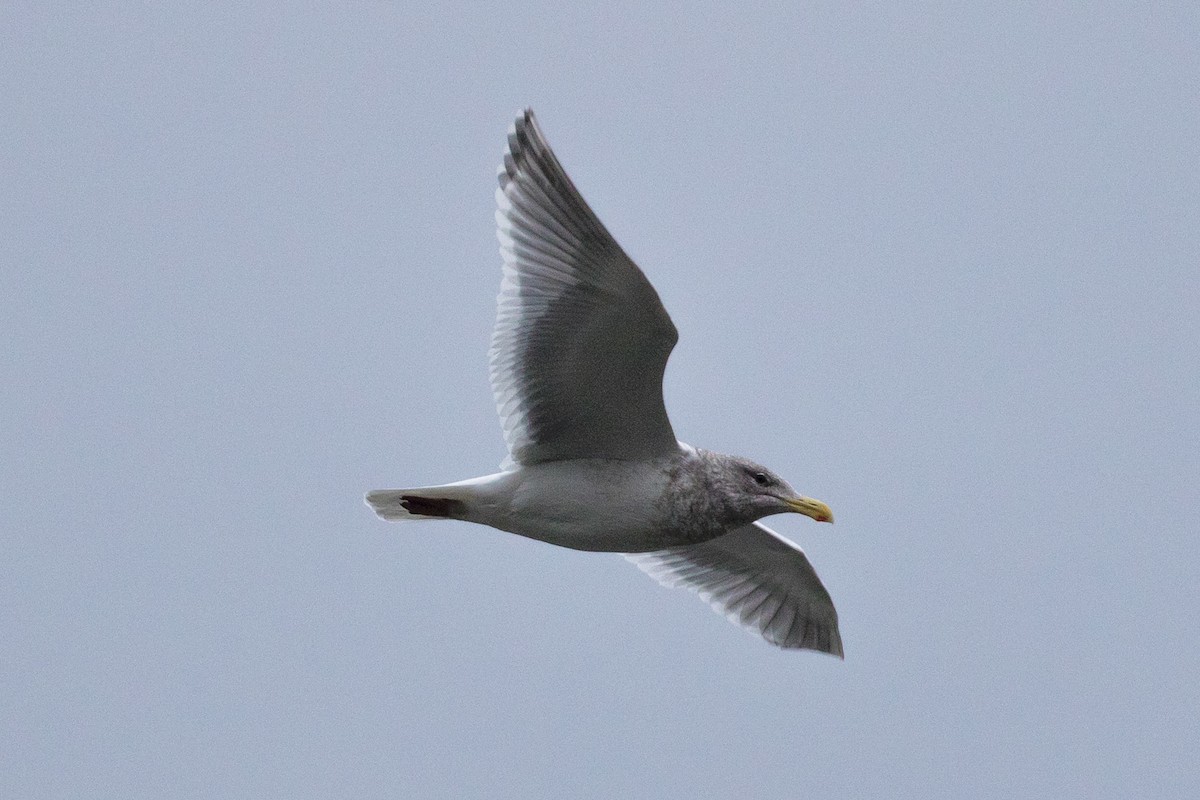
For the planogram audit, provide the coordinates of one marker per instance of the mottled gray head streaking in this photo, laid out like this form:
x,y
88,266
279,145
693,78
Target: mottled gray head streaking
x,y
577,359
715,492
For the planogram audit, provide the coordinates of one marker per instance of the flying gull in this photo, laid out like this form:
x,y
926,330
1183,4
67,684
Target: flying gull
x,y
577,359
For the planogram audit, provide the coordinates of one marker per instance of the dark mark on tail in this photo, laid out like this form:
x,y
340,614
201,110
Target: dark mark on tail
x,y
430,506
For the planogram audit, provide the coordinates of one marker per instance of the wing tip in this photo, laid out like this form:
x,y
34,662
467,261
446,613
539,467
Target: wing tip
x,y
525,118
832,648
525,138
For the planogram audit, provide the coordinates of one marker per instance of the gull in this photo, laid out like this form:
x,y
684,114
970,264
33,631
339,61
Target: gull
x,y
576,364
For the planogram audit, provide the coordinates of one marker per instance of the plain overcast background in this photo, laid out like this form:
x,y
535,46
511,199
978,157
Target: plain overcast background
x,y
938,266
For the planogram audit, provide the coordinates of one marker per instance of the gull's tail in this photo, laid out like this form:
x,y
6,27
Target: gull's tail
x,y
430,502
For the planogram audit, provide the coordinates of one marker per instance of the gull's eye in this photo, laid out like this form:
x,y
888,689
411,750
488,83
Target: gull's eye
x,y
761,479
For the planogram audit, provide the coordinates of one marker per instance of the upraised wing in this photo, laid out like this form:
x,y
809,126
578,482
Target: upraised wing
x,y
581,338
759,580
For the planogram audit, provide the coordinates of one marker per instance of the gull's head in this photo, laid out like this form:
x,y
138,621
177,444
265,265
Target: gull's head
x,y
762,493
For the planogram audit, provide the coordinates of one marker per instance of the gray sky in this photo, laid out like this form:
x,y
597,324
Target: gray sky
x,y
938,267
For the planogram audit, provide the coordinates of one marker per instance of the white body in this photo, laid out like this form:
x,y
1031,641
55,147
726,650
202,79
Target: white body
x,y
584,504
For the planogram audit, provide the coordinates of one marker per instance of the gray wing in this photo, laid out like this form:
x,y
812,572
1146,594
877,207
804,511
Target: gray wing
x,y
758,579
581,338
